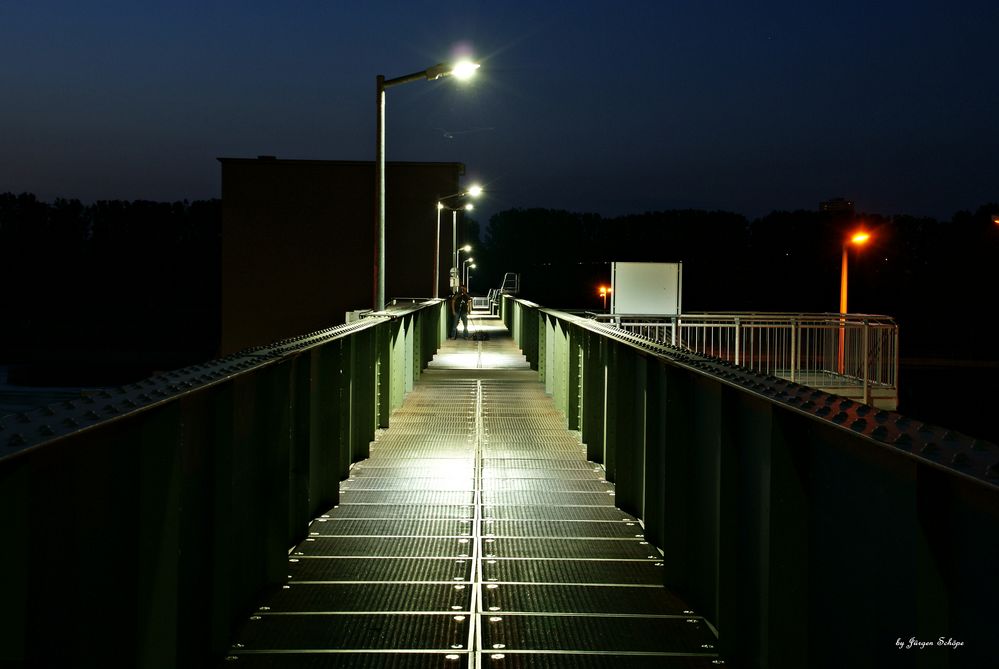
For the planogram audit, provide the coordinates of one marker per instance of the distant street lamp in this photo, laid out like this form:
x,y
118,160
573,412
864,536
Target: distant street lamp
x,y
464,268
468,277
455,270
858,239
995,218
473,191
604,291
462,70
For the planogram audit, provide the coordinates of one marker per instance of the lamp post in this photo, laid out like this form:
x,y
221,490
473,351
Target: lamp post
x,y
456,269
468,278
462,70
473,191
858,238
464,269
604,291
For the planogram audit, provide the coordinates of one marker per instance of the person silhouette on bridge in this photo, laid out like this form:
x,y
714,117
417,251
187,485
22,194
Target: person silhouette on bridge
x,y
461,303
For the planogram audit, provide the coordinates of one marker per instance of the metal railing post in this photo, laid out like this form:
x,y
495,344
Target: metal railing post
x,y
867,362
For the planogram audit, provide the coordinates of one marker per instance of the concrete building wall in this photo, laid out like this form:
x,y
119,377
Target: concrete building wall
x,y
298,241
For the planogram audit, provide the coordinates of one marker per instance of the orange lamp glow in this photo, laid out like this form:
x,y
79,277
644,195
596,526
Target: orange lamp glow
x,y
860,238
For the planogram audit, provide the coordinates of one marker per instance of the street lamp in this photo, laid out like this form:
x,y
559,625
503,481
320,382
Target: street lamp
x,y
456,269
462,70
474,191
858,239
604,292
464,269
468,277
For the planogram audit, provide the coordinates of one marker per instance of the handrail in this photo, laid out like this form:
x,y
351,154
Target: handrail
x,y
177,497
778,506
853,354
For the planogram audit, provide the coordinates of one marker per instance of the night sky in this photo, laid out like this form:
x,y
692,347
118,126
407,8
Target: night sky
x,y
606,107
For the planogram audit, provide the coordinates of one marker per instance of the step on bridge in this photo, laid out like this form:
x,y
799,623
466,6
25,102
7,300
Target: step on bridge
x,y
475,535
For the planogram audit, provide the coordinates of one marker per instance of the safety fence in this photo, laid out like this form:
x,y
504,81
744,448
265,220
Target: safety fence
x,y
141,525
854,355
811,529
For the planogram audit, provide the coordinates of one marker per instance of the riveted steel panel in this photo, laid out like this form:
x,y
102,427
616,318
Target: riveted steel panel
x,y
400,511
379,569
569,549
523,497
636,572
631,634
344,527
394,483
386,546
351,660
367,597
355,631
560,513
621,600
562,528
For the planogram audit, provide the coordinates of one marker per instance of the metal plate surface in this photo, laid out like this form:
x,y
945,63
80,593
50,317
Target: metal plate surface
x,y
350,660
344,527
582,633
400,511
370,597
420,497
385,547
569,549
620,600
563,529
638,572
415,570
422,631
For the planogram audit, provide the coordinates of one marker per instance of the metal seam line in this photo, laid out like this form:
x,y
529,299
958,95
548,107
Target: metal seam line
x,y
475,628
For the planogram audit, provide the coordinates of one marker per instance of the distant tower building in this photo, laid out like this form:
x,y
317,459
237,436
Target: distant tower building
x,y
837,205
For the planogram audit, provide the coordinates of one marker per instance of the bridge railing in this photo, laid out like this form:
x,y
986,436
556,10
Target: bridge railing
x,y
854,355
812,530
143,523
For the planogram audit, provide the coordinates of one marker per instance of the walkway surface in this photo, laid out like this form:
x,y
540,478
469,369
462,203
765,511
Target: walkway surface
x,y
476,535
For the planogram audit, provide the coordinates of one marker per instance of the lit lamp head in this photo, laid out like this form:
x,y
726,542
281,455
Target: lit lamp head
x,y
860,238
462,70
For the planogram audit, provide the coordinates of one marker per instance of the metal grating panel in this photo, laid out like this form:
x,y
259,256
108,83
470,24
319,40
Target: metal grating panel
x,y
400,511
639,572
583,633
397,528
621,600
385,547
343,597
569,549
352,660
356,632
563,529
379,569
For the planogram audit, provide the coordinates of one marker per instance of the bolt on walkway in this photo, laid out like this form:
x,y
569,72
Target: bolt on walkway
x,y
476,535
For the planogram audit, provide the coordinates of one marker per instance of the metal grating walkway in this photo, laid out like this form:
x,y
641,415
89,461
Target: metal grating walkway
x,y
476,535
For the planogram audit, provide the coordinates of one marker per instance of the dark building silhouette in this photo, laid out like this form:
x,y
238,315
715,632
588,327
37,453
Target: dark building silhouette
x,y
837,205
298,241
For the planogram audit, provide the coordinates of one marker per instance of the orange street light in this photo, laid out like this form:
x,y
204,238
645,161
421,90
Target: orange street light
x,y
604,290
858,238
995,218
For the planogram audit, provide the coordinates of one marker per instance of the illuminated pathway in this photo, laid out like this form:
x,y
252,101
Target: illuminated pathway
x,y
476,535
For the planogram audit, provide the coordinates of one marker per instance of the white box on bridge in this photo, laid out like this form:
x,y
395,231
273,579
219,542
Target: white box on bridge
x,y
646,288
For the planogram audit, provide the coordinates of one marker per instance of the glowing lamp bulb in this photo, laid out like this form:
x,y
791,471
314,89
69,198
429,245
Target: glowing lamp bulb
x,y
464,69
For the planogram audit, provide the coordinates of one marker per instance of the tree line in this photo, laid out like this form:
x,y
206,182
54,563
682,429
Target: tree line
x,y
119,280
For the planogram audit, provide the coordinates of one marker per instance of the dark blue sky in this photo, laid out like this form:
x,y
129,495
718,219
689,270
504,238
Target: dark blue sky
x,y
612,107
